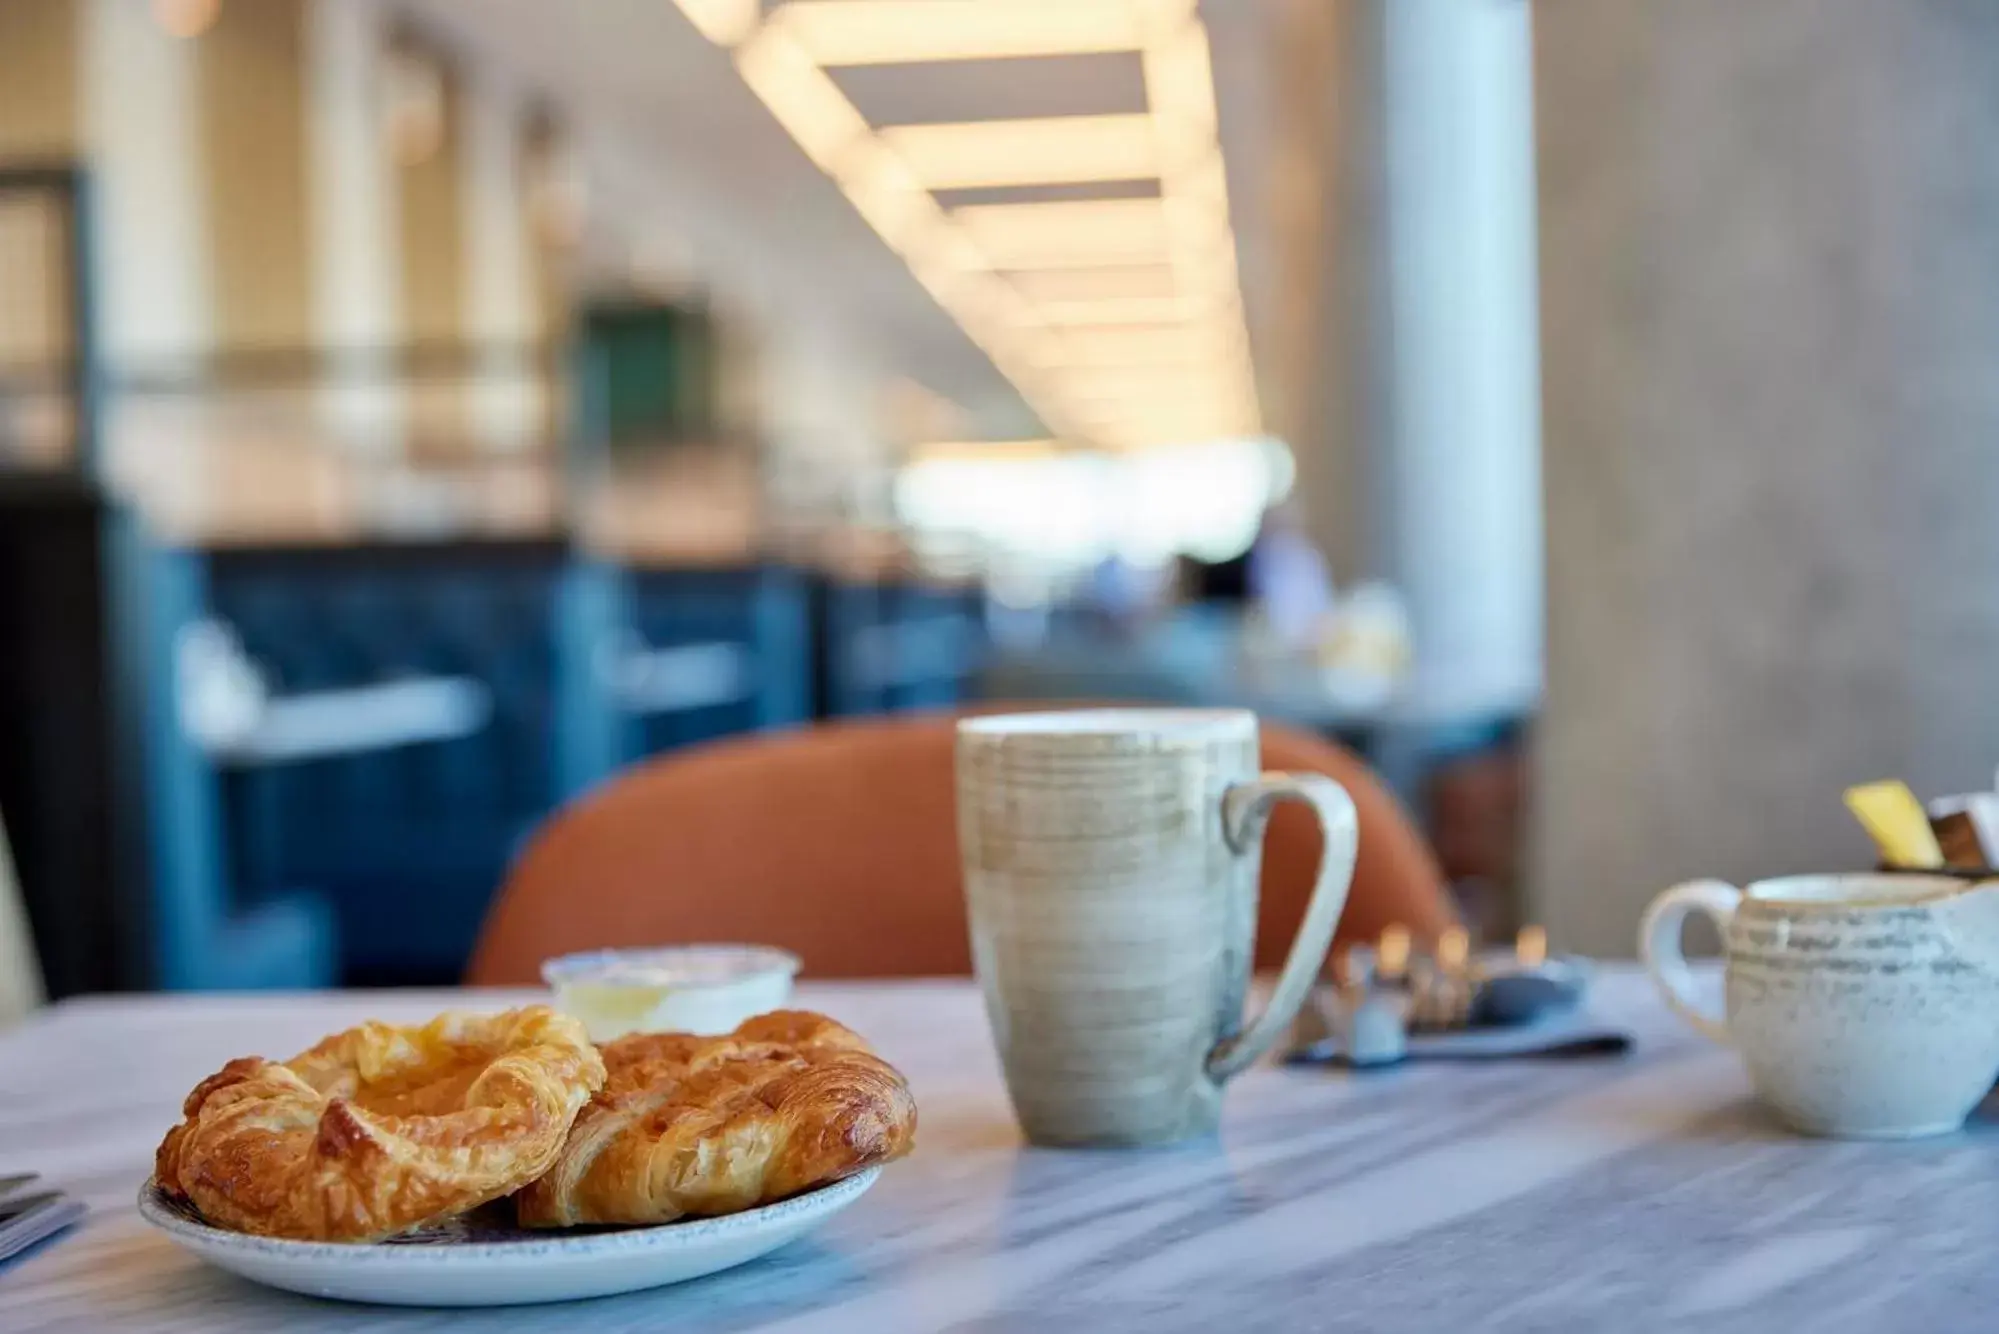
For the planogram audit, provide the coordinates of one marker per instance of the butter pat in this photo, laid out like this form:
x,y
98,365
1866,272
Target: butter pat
x,y
1897,823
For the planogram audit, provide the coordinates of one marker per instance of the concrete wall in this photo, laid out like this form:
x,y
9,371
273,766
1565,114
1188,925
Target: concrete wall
x,y
1770,285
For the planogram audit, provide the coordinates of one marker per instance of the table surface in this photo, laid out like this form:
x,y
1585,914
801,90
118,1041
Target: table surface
x,y
1640,1193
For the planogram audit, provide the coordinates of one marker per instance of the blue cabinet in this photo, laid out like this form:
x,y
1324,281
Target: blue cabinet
x,y
711,652
407,830
351,743
348,744
883,648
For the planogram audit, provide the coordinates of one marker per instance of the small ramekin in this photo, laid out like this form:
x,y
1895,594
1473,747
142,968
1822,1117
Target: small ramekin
x,y
704,989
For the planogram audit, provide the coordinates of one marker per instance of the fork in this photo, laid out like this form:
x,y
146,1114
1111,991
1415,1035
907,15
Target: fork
x,y
26,1219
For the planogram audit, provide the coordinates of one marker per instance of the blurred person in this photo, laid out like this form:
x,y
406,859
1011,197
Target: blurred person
x,y
1289,579
1124,592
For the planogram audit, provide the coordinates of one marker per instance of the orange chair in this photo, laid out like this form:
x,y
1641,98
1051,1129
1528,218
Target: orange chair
x,y
839,843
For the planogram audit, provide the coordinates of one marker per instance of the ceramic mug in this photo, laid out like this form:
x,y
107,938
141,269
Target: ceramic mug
x,y
1864,1006
1111,860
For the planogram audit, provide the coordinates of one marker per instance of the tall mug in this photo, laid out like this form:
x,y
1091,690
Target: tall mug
x,y
1111,861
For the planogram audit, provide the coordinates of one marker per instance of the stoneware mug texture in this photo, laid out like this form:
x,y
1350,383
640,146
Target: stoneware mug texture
x,y
1111,860
1864,1006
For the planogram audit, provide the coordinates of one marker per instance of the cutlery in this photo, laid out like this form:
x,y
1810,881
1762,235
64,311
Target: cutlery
x,y
26,1219
1475,1045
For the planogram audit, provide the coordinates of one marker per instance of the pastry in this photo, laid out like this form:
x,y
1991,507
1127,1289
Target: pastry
x,y
692,1125
381,1129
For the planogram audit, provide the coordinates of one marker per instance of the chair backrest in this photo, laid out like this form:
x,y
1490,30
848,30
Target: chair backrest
x,y
839,843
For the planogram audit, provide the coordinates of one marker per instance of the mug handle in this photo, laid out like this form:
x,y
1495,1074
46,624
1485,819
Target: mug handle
x,y
1659,944
1245,810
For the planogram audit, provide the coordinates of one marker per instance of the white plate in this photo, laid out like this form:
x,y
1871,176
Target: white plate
x,y
475,1263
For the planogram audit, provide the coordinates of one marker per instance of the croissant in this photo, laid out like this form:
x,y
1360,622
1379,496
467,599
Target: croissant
x,y
691,1125
381,1129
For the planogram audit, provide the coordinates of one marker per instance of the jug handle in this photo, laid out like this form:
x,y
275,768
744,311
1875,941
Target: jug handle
x,y
1665,959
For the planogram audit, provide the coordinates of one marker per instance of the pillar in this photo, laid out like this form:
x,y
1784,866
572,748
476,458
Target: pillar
x,y
256,155
1403,357
501,319
357,241
1454,485
143,133
142,141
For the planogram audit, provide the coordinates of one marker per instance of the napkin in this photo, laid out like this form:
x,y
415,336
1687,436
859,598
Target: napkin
x,y
1557,1038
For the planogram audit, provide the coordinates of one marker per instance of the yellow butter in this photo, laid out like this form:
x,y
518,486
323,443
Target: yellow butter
x,y
1897,823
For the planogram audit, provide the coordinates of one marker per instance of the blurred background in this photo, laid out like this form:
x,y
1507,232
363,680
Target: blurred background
x,y
411,411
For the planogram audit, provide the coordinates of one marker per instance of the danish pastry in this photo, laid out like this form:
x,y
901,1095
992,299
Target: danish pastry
x,y
381,1129
691,1125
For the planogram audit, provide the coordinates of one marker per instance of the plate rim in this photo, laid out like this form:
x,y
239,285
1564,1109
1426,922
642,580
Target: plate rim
x,y
154,1209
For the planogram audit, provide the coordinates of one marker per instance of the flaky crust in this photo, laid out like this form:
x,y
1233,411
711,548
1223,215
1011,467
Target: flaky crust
x,y
688,1125
381,1129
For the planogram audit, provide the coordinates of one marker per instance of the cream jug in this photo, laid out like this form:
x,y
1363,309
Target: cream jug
x,y
1864,1006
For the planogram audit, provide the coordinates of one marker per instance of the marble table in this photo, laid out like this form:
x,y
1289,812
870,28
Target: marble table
x,y
1639,1193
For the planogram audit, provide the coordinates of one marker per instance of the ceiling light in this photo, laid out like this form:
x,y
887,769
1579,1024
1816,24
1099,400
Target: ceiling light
x,y
1196,199
1138,384
987,304
1115,312
1119,320
1158,18
1160,423
877,179
723,22
1131,436
1084,232
186,18
1180,83
1011,451
895,204
1138,346
1206,272
1057,150
805,101
1111,283
894,32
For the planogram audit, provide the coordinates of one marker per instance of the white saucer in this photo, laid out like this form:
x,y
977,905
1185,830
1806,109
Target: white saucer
x,y
476,1263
